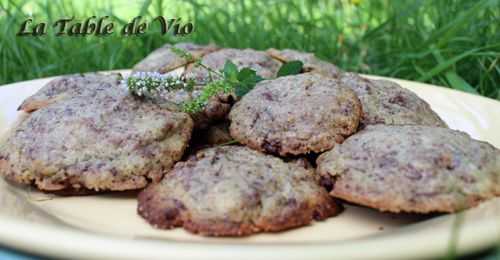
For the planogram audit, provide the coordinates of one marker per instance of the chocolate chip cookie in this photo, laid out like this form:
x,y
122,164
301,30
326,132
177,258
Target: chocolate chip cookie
x,y
236,191
163,59
385,102
409,168
87,132
295,115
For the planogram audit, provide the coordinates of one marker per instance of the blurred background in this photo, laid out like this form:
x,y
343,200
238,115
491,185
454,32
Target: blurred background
x,y
452,43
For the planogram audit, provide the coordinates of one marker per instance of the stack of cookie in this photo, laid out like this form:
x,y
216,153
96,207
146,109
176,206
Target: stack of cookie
x,y
302,145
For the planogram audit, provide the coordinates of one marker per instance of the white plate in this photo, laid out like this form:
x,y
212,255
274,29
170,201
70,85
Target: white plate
x,y
107,226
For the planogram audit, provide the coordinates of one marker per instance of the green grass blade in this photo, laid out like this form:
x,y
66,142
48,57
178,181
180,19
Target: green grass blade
x,y
445,65
459,83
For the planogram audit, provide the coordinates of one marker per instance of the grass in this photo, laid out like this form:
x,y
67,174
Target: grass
x,y
454,43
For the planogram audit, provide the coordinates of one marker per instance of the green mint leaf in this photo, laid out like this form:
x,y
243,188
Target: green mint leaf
x,y
240,90
247,79
259,78
230,70
290,68
246,74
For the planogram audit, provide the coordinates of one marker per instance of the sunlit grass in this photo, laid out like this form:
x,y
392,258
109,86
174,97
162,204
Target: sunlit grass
x,y
454,43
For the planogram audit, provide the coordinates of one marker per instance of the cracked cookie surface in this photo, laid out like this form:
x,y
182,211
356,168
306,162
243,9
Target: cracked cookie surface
x,y
87,133
295,115
385,102
236,191
164,60
413,169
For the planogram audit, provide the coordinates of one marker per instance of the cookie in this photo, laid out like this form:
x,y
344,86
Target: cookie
x,y
235,191
164,60
264,65
86,132
385,102
409,168
295,115
310,62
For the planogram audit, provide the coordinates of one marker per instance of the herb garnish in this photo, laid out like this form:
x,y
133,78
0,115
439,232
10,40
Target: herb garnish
x,y
228,80
149,83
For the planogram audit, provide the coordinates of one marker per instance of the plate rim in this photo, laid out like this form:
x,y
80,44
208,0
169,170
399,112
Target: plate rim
x,y
28,237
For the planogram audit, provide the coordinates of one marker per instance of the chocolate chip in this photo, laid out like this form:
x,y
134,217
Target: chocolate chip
x,y
271,146
268,96
398,99
171,213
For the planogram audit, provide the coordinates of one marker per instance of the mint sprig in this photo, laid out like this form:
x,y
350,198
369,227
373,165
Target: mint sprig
x,y
229,80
